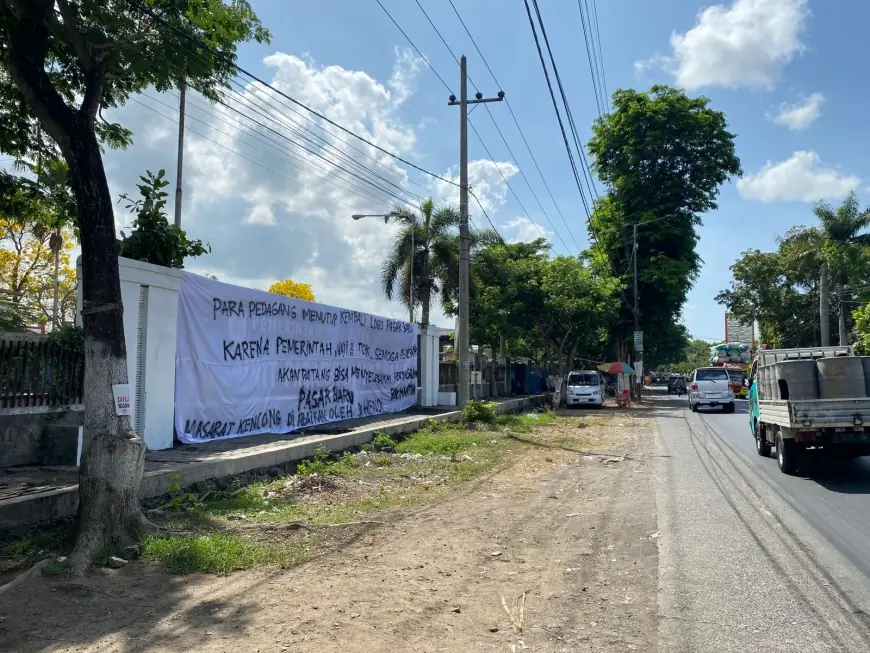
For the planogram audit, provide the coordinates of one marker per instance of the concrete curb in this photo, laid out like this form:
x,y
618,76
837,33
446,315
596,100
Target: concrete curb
x,y
60,503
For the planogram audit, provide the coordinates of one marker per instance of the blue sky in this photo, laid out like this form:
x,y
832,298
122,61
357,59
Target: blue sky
x,y
783,71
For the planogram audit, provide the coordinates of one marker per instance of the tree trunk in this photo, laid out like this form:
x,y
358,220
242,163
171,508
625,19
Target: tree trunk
x,y
427,290
111,473
621,348
114,457
824,316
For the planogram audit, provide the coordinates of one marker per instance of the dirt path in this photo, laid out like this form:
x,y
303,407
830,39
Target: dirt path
x,y
574,532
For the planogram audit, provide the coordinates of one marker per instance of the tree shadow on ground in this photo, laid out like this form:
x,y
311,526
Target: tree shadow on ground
x,y
140,608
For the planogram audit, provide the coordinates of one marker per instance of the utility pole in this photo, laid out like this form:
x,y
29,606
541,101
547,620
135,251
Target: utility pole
x,y
824,315
182,92
464,308
638,354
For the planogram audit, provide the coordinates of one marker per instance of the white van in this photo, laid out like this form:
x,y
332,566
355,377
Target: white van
x,y
585,388
711,386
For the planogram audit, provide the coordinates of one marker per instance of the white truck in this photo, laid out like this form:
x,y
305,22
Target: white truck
x,y
809,401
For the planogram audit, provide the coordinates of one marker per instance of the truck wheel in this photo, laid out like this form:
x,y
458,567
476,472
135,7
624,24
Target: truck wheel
x,y
786,455
762,446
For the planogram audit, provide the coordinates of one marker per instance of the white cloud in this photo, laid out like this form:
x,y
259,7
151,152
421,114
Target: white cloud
x,y
743,44
487,181
802,114
524,230
802,177
276,215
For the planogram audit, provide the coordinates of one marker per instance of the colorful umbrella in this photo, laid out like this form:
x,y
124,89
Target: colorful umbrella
x,y
616,368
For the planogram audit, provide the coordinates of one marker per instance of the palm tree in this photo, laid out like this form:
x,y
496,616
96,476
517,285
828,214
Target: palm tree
x,y
839,240
436,255
433,231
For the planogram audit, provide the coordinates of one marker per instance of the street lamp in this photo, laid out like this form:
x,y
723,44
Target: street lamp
x,y
360,216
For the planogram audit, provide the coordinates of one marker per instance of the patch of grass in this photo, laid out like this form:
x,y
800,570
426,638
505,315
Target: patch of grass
x,y
224,539
218,553
442,442
33,543
380,442
477,410
526,422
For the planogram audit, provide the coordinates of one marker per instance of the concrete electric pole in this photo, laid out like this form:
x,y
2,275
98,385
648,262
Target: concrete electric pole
x,y
463,336
824,307
178,177
638,353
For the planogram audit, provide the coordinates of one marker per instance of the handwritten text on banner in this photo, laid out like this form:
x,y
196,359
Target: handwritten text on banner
x,y
252,362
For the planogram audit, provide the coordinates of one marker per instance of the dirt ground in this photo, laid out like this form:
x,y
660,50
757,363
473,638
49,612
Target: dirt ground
x,y
567,538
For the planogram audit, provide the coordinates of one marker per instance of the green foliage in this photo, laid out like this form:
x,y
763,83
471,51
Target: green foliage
x,y
780,290
442,444
33,543
320,464
663,157
153,239
697,354
216,553
861,318
435,256
383,442
535,302
477,410
101,52
68,337
13,317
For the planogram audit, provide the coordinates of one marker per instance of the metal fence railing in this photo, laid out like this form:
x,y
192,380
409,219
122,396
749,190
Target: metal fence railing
x,y
39,373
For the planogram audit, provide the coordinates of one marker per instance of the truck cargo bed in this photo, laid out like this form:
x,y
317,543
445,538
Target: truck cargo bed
x,y
815,413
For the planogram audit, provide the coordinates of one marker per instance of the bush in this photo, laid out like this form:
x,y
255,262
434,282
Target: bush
x,y
479,411
383,442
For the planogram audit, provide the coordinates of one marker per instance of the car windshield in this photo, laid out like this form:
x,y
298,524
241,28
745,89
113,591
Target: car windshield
x,y
712,375
737,377
583,379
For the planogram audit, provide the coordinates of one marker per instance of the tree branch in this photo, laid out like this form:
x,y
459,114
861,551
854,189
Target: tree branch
x,y
73,35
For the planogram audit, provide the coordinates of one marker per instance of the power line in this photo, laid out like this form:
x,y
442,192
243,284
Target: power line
x,y
149,12
590,55
337,181
516,122
295,181
309,135
558,114
584,163
600,54
477,134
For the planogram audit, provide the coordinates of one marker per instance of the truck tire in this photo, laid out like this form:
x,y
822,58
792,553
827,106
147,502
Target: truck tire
x,y
786,455
762,446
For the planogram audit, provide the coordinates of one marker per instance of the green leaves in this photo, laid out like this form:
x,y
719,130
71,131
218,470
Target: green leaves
x,y
153,239
663,157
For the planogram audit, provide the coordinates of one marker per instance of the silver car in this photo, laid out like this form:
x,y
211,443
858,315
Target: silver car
x,y
711,386
585,389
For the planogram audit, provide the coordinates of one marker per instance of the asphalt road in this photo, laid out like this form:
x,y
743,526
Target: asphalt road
x,y
751,559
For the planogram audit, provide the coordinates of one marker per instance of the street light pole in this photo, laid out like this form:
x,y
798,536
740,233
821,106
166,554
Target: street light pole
x,y
464,308
411,294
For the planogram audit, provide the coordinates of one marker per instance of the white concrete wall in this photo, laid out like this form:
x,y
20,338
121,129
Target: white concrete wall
x,y
152,406
428,372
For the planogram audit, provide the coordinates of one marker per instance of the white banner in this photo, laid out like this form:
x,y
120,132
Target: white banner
x,y
252,362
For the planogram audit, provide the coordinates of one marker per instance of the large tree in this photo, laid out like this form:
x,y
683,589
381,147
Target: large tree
x,y
663,157
27,269
779,291
435,254
63,62
839,242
